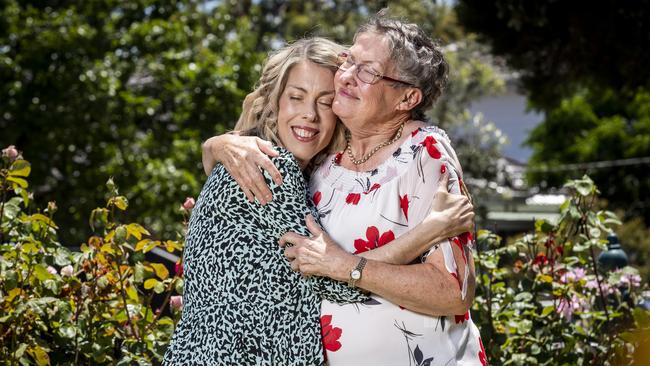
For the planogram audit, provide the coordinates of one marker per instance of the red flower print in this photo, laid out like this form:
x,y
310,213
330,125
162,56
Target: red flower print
x,y
330,334
337,157
462,318
374,240
373,188
404,204
443,169
428,142
460,243
353,198
317,197
465,238
481,354
415,132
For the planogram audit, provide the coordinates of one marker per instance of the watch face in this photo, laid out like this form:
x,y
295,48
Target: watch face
x,y
355,274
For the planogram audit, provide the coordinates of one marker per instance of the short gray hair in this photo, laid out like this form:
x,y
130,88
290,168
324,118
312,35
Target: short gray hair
x,y
418,60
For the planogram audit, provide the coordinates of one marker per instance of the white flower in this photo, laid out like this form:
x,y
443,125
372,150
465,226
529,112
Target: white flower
x,y
67,271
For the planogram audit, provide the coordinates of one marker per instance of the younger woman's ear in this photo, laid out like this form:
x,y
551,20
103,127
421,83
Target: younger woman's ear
x,y
411,98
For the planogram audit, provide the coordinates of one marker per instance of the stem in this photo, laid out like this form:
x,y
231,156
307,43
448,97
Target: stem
x,y
13,347
488,291
600,288
126,310
146,312
162,307
585,231
2,211
80,304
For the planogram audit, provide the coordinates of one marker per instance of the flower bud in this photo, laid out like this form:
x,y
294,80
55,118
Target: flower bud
x,y
176,302
189,203
52,270
10,152
67,271
178,268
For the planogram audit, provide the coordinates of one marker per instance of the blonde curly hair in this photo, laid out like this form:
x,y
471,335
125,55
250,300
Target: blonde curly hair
x,y
260,109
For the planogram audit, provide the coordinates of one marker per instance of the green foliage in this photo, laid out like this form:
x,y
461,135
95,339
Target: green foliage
x,y
92,307
586,70
597,126
130,88
120,88
542,300
562,46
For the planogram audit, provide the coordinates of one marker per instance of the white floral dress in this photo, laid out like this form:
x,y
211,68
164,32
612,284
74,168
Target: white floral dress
x,y
365,210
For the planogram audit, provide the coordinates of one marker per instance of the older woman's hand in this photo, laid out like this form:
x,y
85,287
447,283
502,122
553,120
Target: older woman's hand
x,y
455,210
243,156
317,255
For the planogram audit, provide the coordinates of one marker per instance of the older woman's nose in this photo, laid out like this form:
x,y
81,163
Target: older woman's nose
x,y
347,76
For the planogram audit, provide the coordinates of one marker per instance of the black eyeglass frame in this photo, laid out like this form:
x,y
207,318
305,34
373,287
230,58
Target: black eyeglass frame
x,y
344,57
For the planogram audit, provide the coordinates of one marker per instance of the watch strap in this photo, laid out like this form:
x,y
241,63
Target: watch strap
x,y
359,268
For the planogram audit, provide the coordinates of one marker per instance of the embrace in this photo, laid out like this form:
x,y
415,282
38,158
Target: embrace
x,y
351,245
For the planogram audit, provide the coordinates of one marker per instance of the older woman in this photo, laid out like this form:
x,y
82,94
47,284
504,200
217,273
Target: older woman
x,y
378,189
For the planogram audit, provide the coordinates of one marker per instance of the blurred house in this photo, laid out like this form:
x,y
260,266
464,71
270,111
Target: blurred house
x,y
512,206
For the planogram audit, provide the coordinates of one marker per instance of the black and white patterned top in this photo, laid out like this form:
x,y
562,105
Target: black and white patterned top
x,y
243,305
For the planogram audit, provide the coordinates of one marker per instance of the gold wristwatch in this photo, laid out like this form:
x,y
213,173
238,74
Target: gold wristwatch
x,y
355,274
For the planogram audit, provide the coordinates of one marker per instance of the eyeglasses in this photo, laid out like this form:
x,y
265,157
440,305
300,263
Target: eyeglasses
x,y
363,72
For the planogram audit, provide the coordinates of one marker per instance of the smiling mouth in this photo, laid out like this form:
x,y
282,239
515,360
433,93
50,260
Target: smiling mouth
x,y
346,94
304,134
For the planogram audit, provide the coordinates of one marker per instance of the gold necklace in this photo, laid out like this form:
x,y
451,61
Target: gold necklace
x,y
365,158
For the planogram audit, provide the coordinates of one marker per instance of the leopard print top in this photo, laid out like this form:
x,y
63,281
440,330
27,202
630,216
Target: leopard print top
x,y
243,305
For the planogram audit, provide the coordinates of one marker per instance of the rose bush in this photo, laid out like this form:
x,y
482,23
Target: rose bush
x,y
542,299
92,307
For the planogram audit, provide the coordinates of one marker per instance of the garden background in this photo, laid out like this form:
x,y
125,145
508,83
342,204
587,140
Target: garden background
x,y
91,90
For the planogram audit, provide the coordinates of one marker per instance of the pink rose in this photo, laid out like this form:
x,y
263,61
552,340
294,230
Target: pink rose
x,y
10,152
176,302
189,203
67,271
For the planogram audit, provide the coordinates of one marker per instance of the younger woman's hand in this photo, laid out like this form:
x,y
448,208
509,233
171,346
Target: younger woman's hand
x,y
455,210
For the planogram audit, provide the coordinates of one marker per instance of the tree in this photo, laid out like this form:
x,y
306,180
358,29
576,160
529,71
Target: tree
x,y
583,64
560,46
120,88
129,89
594,127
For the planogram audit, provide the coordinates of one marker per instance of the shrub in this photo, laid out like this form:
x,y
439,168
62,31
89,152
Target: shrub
x,y
92,307
543,300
